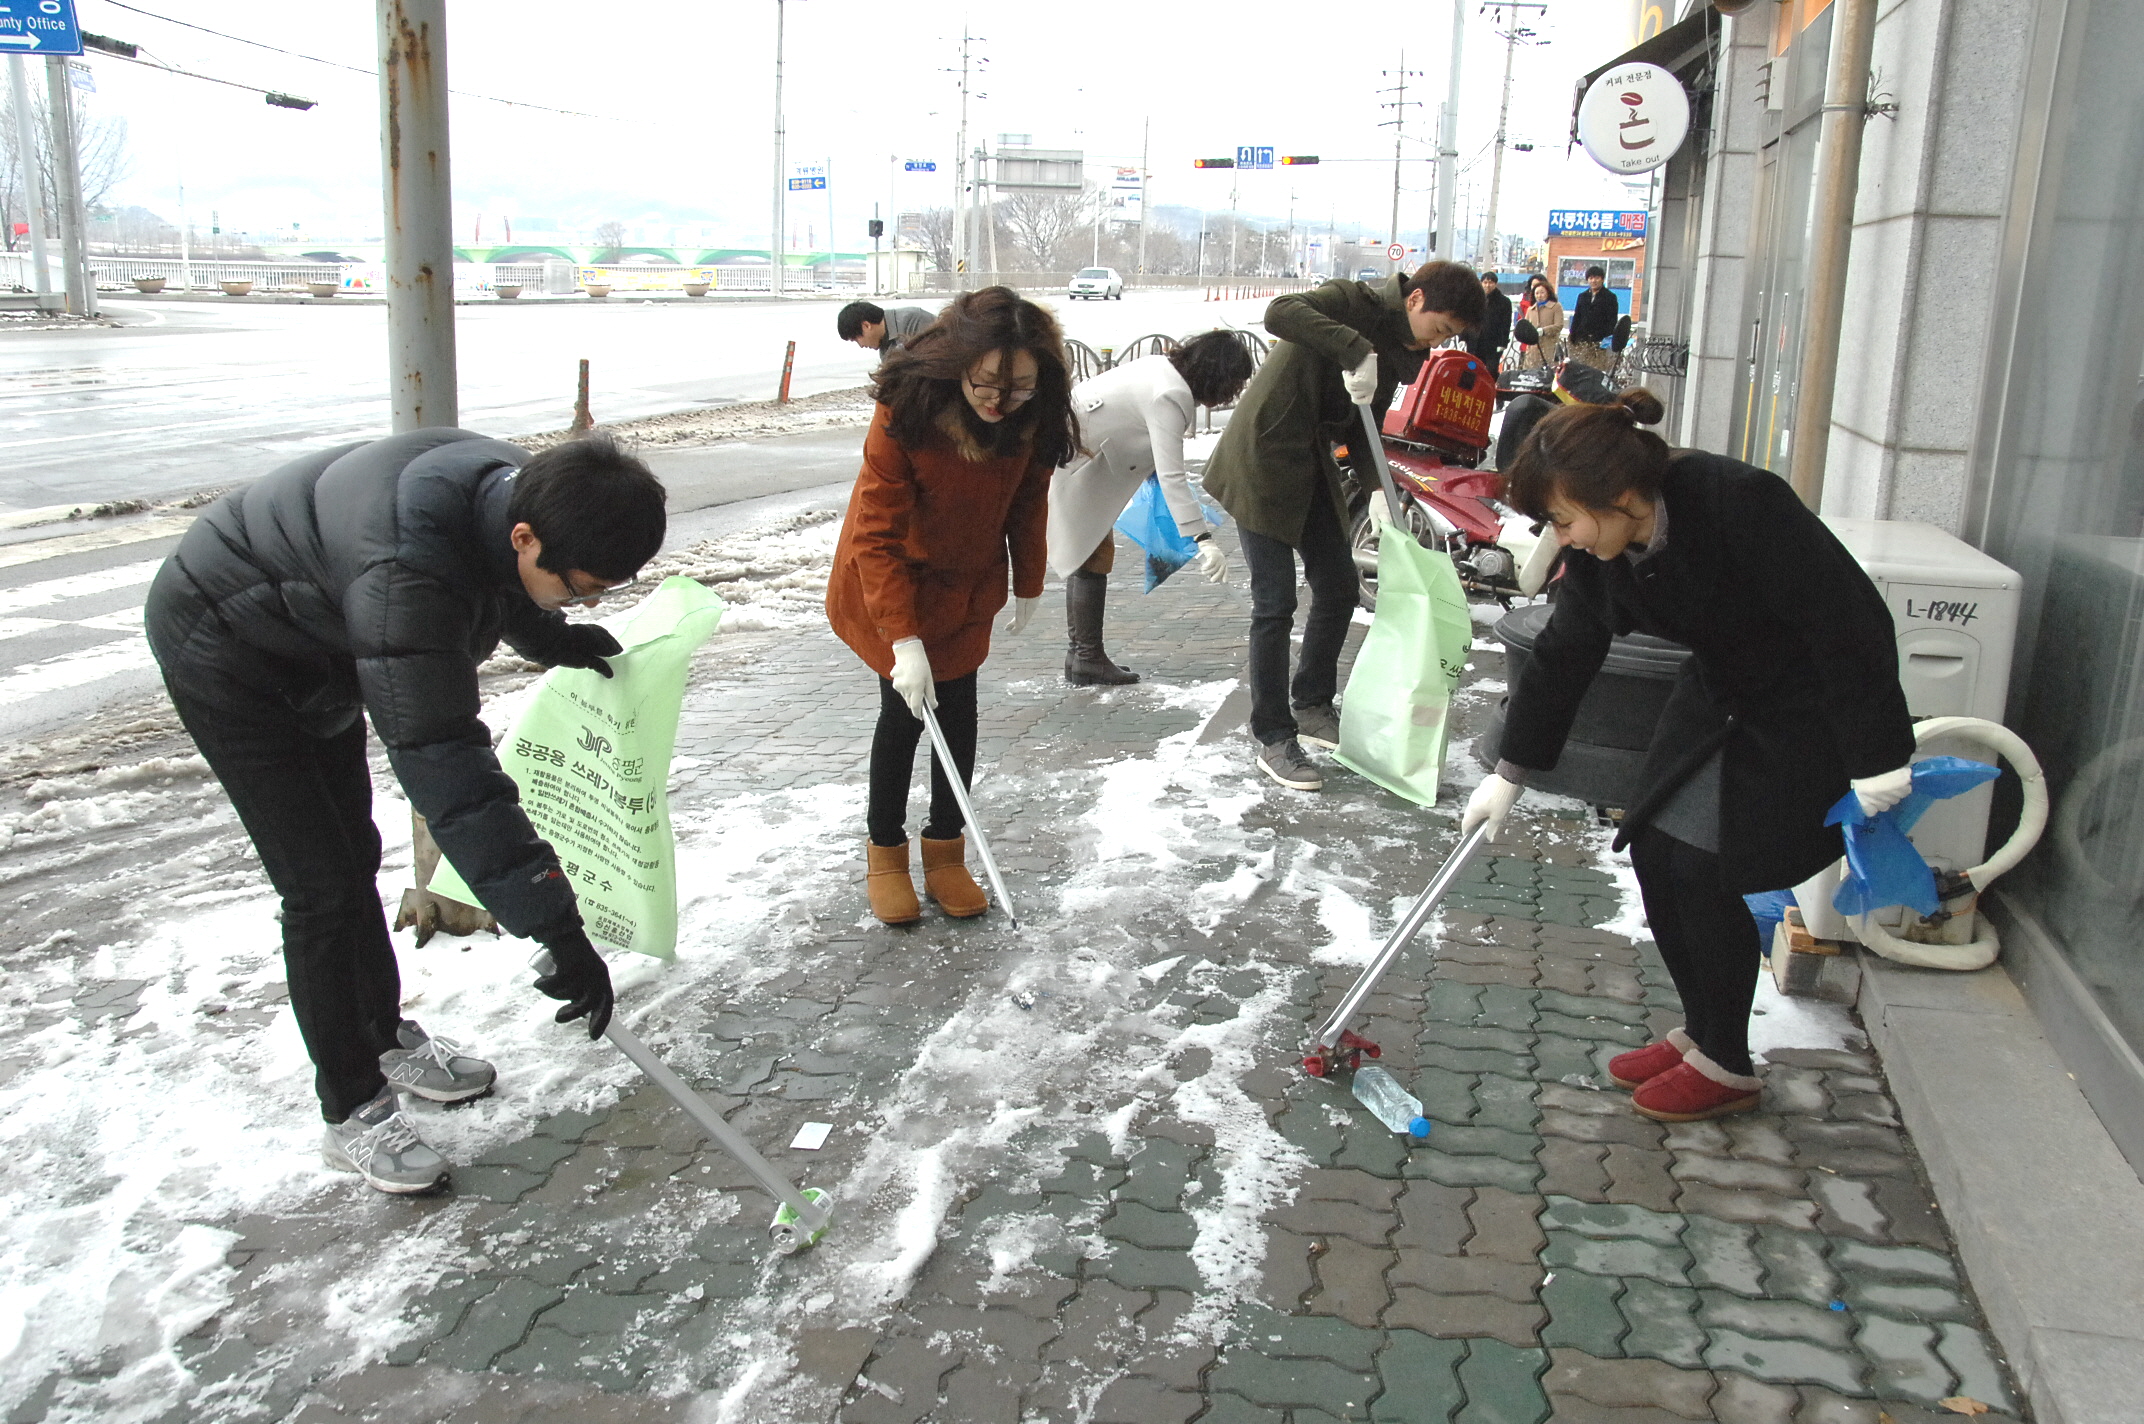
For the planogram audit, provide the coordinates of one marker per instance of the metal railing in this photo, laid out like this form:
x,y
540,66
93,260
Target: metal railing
x,y
265,276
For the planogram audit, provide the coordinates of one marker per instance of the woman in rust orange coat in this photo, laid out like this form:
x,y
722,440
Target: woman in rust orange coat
x,y
973,415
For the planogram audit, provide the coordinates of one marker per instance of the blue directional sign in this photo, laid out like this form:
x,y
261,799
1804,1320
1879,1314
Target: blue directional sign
x,y
39,27
920,165
1254,157
799,185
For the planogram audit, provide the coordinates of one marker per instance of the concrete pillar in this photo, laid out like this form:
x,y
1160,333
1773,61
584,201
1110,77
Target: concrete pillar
x,y
420,213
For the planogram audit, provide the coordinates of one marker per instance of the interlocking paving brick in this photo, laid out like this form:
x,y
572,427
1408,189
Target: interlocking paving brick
x,y
1156,1230
1433,1218
1904,1358
1420,1378
1742,1400
1136,1399
1573,1169
1374,1194
1722,1254
1970,1358
1138,1268
1502,1384
1795,1266
1235,1409
1737,1172
1589,1219
1909,1213
1640,1176
1465,1316
1784,1361
1460,1171
1662,1324
1616,1257
493,1325
1506,1225
1582,1313
1625,1127
1911,1300
1516,1281
1620,1384
1447,1095
1847,1207
1347,1219
1155,1175
1908,1262
1785,1319
1351,1283
1747,1204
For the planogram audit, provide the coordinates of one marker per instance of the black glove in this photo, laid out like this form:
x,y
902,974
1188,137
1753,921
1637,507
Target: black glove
x,y
580,977
585,645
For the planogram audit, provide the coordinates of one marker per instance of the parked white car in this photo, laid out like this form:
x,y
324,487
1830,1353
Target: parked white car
x,y
1100,282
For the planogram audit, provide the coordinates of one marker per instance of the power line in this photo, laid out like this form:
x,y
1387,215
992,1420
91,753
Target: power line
x,y
275,96
338,64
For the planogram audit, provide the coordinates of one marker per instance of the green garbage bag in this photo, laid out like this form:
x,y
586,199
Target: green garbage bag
x,y
592,755
1393,723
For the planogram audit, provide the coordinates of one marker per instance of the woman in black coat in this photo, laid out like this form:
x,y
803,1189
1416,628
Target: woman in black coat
x,y
1791,698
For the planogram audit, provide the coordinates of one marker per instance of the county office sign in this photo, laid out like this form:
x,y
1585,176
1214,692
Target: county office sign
x,y
1634,117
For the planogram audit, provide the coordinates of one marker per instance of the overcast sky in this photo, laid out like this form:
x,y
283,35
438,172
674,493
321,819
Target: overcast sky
x,y
685,95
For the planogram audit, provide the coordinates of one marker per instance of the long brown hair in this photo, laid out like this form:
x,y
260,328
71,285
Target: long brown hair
x,y
1592,455
921,382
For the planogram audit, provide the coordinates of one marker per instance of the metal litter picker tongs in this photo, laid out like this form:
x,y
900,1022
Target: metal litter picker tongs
x,y
967,809
1336,1046
803,1215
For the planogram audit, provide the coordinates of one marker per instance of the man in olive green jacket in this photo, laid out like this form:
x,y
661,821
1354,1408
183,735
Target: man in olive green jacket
x,y
1342,345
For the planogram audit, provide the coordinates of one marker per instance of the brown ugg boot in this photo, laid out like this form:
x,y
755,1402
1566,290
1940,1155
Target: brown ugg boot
x,y
946,877
892,892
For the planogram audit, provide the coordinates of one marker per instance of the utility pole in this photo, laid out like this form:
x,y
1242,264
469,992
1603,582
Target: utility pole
x,y
1446,242
1399,105
1512,35
67,178
1146,179
1235,228
778,240
966,172
33,202
420,213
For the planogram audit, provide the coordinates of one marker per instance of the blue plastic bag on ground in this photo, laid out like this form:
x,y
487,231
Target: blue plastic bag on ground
x,y
1768,908
1147,522
1882,867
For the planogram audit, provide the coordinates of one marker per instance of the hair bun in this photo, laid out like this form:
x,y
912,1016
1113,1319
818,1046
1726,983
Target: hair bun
x,y
1641,405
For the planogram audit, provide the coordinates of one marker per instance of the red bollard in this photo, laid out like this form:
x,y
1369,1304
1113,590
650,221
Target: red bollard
x,y
789,362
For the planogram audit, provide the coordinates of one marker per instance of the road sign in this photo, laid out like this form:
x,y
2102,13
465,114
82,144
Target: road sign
x,y
799,185
920,165
1396,251
39,27
1295,158
1213,163
1254,157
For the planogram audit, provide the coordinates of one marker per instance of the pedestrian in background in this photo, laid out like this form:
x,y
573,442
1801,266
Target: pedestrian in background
x,y
972,417
1546,314
1339,346
1133,419
1486,342
876,328
1789,700
1593,320
370,581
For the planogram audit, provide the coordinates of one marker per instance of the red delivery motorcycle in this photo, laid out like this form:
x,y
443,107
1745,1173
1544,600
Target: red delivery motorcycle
x,y
1435,436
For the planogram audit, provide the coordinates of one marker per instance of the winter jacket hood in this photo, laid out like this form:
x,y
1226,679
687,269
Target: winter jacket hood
x,y
377,576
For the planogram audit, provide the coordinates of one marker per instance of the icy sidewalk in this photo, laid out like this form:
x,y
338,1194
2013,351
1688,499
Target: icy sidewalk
x,y
1079,1175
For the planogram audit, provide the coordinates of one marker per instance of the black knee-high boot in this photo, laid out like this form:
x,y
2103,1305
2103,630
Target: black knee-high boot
x,y
1086,665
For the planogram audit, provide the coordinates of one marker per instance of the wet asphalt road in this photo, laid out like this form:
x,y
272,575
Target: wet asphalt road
x,y
188,395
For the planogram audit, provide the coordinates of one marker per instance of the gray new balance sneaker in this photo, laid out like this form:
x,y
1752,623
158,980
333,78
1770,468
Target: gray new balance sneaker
x,y
377,1144
1285,763
1319,726
434,1068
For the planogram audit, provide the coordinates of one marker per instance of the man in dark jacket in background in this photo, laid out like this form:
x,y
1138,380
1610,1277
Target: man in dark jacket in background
x,y
372,579
876,328
1593,320
1487,341
1344,344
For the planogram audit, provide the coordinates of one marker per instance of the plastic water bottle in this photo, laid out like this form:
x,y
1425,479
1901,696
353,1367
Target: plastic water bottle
x,y
1395,1107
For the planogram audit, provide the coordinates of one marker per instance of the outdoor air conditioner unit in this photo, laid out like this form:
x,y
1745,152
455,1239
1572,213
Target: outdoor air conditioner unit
x,y
1955,610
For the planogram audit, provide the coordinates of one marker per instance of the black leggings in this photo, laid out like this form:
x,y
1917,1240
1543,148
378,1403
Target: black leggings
x,y
893,762
1707,938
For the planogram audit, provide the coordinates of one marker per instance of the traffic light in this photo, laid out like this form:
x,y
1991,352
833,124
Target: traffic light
x,y
1213,163
877,228
1294,158
289,101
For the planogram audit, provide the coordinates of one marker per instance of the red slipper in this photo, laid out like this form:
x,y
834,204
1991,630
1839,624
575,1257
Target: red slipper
x,y
1695,1090
1641,1065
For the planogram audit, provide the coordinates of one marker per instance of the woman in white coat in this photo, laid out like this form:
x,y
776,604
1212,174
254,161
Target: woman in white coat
x,y
1133,419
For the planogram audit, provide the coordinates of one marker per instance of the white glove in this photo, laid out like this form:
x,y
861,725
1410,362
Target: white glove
x,y
1492,802
1022,610
1212,562
1361,382
912,676
1878,794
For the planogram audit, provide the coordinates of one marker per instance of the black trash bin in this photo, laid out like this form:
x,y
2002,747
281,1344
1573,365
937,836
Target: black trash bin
x,y
1601,761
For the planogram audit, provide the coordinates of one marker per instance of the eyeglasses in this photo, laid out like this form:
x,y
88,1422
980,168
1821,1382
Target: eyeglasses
x,y
1009,395
599,592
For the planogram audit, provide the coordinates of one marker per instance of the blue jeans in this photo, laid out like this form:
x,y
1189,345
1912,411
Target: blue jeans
x,y
1329,569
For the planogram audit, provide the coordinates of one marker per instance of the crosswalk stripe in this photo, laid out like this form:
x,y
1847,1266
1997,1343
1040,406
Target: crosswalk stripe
x,y
74,669
50,591
163,526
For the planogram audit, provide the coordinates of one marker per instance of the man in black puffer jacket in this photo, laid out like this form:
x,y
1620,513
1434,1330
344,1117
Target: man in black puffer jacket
x,y
373,579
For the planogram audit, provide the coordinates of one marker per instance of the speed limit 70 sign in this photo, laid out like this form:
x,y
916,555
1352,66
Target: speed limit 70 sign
x,y
1396,251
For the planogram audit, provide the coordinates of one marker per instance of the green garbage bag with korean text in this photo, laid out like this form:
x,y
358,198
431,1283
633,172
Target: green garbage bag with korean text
x,y
1394,717
592,755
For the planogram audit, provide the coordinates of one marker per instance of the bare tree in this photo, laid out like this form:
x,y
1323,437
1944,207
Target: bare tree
x,y
100,152
610,241
933,232
1041,222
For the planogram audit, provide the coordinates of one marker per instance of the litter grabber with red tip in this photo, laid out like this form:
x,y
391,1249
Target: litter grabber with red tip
x,y
1337,1047
967,809
802,1218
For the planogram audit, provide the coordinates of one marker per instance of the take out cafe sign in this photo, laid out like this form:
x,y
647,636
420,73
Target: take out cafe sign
x,y
1634,117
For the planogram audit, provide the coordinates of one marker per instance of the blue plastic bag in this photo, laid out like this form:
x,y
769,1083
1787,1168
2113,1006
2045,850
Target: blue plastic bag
x,y
1882,867
1768,908
1146,521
